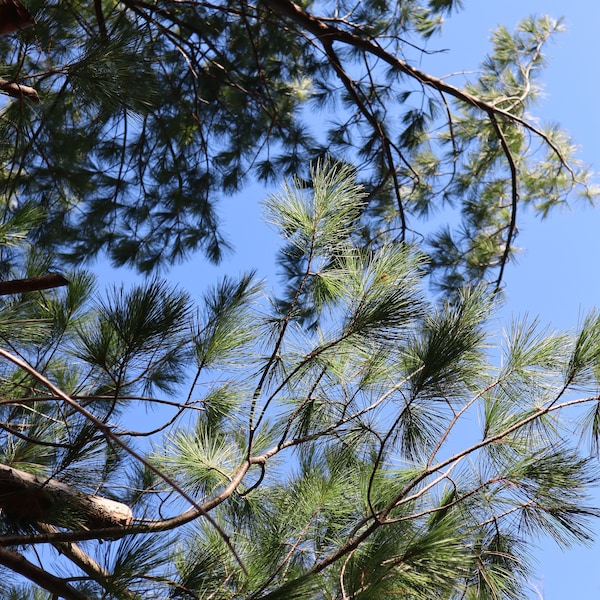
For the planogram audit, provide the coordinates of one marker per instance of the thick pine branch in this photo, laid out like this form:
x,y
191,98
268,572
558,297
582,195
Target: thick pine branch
x,y
32,284
19,564
33,498
196,511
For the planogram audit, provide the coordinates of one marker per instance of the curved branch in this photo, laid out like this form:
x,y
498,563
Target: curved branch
x,y
114,533
55,585
375,124
514,179
328,34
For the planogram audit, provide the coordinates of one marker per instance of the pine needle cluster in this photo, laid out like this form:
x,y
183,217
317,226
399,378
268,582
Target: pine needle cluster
x,y
342,438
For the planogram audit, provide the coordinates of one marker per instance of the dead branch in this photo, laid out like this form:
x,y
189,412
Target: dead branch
x,y
19,91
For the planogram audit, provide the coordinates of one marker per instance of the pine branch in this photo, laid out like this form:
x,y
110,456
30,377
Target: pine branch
x,y
328,33
196,510
144,527
34,498
32,284
514,178
19,91
14,16
55,585
87,564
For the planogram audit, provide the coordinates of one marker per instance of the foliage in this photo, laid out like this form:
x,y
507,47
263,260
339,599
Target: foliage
x,y
346,438
151,113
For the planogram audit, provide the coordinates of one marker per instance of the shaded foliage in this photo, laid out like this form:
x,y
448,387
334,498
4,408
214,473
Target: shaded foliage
x,y
150,114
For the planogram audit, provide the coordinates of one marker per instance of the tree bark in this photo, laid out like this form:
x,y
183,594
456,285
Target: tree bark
x,y
55,585
33,284
31,498
19,91
14,16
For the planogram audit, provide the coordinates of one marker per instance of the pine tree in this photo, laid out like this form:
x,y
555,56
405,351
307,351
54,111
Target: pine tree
x,y
344,438
149,114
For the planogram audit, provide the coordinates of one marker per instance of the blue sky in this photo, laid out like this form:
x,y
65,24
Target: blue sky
x,y
557,275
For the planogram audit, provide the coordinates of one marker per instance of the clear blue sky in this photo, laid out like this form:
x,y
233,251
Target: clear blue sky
x,y
557,275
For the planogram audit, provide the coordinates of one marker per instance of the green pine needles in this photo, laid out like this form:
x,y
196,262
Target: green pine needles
x,y
150,118
343,439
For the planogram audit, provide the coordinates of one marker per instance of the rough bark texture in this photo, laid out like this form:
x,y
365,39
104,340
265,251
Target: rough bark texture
x,y
27,497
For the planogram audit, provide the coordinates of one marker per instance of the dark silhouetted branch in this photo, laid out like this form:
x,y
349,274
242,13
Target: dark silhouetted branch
x,y
14,16
33,284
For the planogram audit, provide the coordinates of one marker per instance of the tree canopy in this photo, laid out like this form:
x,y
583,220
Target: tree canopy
x,y
151,113
316,443
346,435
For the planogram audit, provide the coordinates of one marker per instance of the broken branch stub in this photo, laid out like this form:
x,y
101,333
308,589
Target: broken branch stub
x,y
14,16
28,497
